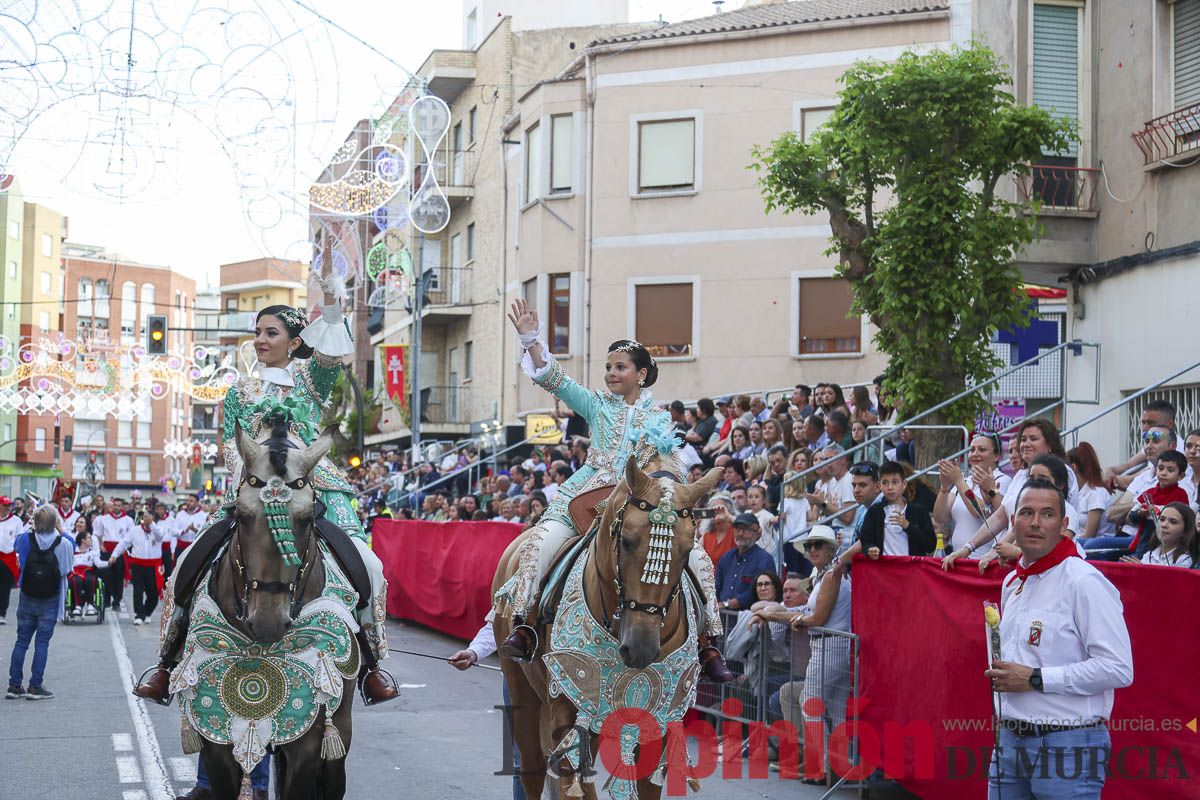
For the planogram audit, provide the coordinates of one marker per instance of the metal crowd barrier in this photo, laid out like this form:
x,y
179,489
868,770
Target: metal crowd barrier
x,y
778,670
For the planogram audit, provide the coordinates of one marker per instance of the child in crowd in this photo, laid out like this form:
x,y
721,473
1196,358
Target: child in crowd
x,y
1174,543
756,500
1169,471
895,527
84,577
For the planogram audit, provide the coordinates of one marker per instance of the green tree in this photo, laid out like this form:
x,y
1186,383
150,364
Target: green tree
x,y
907,169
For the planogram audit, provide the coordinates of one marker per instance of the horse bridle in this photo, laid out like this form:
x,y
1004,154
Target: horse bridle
x,y
294,589
630,604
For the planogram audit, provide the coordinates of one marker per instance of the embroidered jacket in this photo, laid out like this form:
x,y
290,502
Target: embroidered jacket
x,y
618,430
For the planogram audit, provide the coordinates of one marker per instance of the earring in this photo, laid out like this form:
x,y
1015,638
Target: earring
x,y
290,351
641,381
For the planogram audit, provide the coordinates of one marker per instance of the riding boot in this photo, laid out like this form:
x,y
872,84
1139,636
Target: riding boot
x,y
376,685
521,644
712,664
154,685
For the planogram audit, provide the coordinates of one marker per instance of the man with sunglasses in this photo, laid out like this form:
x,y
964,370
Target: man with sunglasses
x,y
1155,441
864,483
1156,414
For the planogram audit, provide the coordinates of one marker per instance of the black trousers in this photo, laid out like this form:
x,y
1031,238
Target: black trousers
x,y
168,561
6,584
145,591
83,589
114,582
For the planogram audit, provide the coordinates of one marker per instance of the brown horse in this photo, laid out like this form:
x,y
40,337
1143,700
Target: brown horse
x,y
259,595
643,635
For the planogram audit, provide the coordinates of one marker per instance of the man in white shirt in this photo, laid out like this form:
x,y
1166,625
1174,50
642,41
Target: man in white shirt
x,y
1064,649
67,514
112,529
189,521
11,526
143,542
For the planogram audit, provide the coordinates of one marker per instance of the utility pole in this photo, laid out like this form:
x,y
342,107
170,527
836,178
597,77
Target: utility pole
x,y
414,351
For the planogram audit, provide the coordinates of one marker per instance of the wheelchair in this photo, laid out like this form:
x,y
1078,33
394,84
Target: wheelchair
x,y
97,602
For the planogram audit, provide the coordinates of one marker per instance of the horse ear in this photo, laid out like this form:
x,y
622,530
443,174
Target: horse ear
x,y
635,479
309,457
246,446
694,491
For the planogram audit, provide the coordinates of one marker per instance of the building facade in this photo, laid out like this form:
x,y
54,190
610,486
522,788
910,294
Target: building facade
x,y
462,365
247,287
12,256
40,314
631,211
108,322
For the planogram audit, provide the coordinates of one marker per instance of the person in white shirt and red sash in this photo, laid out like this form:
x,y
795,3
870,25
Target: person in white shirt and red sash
x,y
144,544
66,512
189,521
1064,649
11,526
112,529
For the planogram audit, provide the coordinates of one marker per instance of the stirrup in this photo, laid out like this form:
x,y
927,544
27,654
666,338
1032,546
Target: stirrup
x,y
387,678
510,652
141,680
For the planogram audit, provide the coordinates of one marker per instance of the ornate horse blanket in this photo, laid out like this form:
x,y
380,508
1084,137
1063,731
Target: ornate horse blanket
x,y
234,691
585,665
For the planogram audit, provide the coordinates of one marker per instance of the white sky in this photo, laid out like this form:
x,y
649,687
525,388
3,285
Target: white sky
x,y
191,214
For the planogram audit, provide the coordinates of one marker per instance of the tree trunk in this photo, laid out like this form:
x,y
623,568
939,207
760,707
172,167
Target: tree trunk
x,y
932,445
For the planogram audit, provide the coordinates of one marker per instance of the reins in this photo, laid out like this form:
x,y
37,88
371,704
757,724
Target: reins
x,y
625,603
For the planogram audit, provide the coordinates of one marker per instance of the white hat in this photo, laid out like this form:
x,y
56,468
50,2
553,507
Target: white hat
x,y
817,533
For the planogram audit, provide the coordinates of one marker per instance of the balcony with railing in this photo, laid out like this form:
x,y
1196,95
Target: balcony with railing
x,y
454,171
1165,138
1064,188
445,406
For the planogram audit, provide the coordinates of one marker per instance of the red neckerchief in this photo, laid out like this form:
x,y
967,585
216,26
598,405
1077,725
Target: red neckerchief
x,y
61,514
1061,552
116,515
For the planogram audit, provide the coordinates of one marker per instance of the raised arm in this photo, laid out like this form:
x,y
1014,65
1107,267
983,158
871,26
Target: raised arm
x,y
328,335
540,364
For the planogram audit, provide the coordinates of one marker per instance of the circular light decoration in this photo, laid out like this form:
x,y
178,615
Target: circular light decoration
x,y
380,258
391,287
341,267
389,166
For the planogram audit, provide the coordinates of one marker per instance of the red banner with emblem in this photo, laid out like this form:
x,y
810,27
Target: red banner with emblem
x,y
393,369
925,706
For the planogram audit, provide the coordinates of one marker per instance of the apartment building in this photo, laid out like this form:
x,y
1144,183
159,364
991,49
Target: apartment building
x,y
114,297
462,363
630,211
1120,209
40,315
12,218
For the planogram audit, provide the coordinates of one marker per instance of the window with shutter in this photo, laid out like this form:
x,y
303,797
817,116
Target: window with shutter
x,y
1056,65
560,314
561,135
1185,46
663,318
825,326
666,155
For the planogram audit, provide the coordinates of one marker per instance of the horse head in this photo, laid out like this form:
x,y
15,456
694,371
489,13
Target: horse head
x,y
275,515
651,543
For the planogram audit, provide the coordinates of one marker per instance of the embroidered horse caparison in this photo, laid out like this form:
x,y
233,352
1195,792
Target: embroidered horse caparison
x,y
234,691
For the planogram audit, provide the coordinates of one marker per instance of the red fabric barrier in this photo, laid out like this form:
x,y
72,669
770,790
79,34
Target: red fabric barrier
x,y
923,655
440,573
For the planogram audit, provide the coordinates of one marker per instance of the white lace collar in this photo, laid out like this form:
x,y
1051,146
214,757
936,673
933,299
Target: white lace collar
x,y
280,376
645,399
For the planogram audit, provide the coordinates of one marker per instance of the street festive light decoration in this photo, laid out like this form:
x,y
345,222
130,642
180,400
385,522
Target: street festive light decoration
x,y
189,448
55,375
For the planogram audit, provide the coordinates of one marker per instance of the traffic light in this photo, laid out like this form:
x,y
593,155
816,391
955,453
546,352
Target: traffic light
x,y
156,334
355,460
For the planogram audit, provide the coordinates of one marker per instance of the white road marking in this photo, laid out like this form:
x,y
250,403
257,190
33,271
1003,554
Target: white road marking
x,y
127,770
122,742
154,770
184,769
411,686
133,794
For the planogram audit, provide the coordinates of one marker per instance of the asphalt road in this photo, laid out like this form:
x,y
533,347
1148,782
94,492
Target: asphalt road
x,y
93,740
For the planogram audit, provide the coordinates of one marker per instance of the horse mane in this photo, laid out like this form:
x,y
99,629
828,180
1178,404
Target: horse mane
x,y
277,445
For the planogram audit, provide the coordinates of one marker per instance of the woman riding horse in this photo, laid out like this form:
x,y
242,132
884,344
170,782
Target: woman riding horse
x,y
623,422
299,362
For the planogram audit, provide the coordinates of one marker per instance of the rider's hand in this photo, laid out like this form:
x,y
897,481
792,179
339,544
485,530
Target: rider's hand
x,y
523,318
463,659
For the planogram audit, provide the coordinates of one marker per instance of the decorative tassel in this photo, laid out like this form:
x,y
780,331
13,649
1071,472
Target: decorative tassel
x,y
331,743
694,784
189,738
576,788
